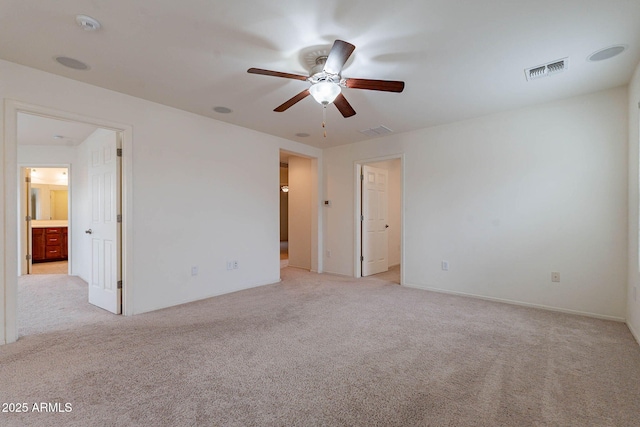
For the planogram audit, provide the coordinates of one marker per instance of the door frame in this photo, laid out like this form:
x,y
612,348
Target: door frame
x,y
357,209
9,251
24,250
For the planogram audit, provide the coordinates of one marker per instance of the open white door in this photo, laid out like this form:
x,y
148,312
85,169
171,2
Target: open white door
x,y
105,287
374,218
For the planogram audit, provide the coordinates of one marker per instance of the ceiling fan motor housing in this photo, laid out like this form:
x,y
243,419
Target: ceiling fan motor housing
x,y
319,67
318,74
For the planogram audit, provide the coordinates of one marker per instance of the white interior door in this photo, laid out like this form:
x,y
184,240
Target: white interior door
x,y
105,287
375,257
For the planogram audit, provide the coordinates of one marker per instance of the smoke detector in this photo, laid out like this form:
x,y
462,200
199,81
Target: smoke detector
x,y
88,23
553,67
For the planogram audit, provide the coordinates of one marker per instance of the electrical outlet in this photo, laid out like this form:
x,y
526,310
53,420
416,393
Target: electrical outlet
x,y
555,277
229,265
235,265
194,270
445,265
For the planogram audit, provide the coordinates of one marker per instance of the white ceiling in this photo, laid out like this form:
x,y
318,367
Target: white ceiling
x,y
37,130
459,59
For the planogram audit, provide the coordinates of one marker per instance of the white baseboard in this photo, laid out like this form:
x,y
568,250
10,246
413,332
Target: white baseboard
x,y
634,333
241,287
520,303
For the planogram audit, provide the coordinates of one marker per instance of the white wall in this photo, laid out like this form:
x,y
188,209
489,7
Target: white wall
x,y
507,199
299,218
202,192
394,208
45,155
633,295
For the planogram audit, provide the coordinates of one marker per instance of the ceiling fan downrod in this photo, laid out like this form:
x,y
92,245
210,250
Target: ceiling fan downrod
x,y
324,119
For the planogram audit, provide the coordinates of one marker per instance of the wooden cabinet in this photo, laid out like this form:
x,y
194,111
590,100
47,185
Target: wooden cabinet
x,y
64,246
37,244
49,244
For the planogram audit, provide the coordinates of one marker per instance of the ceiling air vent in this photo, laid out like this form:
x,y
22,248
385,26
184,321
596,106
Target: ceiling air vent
x,y
548,69
379,131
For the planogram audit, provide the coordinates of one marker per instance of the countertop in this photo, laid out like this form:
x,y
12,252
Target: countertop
x,y
49,223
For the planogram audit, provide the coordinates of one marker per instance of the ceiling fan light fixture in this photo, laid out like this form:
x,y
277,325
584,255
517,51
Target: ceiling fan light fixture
x,y
324,92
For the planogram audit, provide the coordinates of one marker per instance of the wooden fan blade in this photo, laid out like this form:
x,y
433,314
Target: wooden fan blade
x,y
343,106
383,85
276,74
340,52
299,97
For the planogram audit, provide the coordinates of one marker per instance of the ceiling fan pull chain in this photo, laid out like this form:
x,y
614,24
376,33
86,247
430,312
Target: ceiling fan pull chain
x,y
324,119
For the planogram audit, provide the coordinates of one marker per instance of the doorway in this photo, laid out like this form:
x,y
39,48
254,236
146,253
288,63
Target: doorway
x,y
50,215
44,195
45,154
299,211
284,210
379,212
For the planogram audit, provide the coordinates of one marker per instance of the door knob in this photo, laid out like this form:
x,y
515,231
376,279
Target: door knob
x,y
89,231
386,226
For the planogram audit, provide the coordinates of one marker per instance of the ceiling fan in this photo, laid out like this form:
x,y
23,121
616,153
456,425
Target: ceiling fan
x,y
327,83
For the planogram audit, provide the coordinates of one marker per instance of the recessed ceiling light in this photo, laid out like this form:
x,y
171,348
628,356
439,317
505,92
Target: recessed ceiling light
x,y
606,53
302,134
222,110
72,63
88,23
58,136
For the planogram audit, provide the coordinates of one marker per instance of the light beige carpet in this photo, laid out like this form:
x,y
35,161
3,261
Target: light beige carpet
x,y
392,275
48,303
327,350
54,267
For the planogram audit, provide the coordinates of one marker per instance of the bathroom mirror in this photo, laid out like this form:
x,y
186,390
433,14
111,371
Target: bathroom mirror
x,y
49,202
49,194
